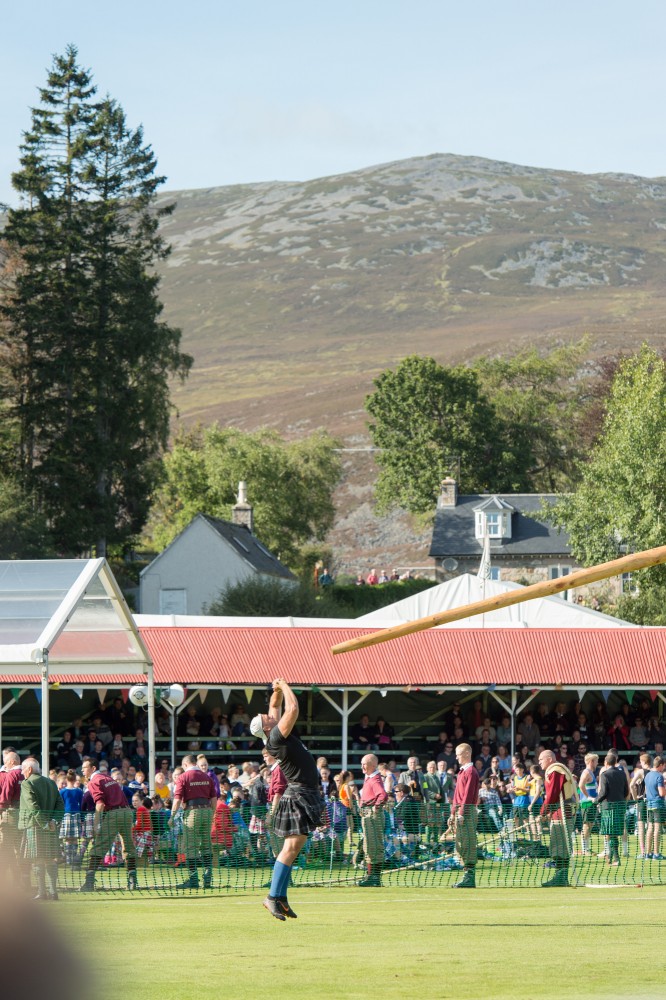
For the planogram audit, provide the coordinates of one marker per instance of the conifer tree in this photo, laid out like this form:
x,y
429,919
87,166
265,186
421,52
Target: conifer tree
x,y
90,357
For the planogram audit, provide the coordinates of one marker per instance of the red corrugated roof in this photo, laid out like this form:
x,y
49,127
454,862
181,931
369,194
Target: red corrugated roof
x,y
251,657
437,657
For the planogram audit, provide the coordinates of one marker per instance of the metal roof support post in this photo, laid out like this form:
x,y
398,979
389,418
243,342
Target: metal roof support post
x,y
514,699
345,728
45,713
151,729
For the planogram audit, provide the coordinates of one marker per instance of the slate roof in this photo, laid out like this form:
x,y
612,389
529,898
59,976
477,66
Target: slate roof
x,y
454,529
249,547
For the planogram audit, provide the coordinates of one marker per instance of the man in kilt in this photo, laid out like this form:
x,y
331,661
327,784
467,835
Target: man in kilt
x,y
612,800
299,811
559,803
41,810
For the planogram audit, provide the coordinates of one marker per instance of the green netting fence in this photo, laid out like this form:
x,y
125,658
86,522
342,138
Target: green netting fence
x,y
229,851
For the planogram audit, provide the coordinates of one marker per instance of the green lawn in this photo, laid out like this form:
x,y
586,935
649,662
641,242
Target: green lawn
x,y
524,944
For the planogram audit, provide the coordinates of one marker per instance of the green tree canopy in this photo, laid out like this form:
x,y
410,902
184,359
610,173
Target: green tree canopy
x,y
290,485
88,354
620,503
511,422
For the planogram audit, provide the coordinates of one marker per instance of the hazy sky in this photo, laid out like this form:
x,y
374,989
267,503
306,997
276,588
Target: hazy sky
x,y
251,90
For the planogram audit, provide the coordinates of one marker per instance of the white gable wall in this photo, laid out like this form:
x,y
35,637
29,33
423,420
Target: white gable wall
x,y
199,562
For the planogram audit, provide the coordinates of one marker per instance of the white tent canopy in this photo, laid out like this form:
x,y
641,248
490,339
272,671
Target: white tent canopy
x,y
67,617
545,612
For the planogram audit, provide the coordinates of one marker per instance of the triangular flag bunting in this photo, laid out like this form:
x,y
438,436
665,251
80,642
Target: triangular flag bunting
x,y
78,692
248,695
101,694
491,687
17,692
314,689
38,695
606,692
581,693
226,694
653,693
630,695
124,694
158,697
203,694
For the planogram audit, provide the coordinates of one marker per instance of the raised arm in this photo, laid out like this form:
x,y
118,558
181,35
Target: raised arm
x,y
287,720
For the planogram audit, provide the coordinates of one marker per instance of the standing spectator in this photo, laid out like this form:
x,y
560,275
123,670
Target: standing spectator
x,y
612,797
113,818
384,577
558,806
11,777
258,792
119,717
637,791
70,830
360,582
503,761
520,785
373,799
276,787
142,831
413,778
194,792
447,756
202,764
40,813
588,790
432,796
327,783
464,814
372,578
325,578
654,797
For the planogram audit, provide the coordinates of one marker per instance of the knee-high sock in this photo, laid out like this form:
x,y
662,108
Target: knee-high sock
x,y
280,880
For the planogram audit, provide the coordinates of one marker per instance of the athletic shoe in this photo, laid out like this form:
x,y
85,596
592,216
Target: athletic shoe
x,y
286,908
657,857
273,908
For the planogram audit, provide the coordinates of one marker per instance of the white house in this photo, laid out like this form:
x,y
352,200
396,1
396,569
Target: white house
x,y
207,556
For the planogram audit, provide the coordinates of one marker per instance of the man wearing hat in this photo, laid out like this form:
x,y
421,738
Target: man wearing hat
x,y
299,811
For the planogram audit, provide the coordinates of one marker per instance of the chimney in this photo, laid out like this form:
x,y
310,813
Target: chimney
x,y
242,511
448,493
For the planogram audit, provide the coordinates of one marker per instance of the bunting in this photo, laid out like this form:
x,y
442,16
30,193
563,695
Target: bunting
x,y
203,694
78,692
653,694
17,692
629,695
248,695
581,693
226,694
606,692
124,694
38,695
101,694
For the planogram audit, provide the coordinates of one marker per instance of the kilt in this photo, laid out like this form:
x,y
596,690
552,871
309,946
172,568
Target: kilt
x,y
612,819
299,811
71,825
40,845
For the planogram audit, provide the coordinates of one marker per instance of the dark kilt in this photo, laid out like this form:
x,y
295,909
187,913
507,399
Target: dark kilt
x,y
612,819
299,811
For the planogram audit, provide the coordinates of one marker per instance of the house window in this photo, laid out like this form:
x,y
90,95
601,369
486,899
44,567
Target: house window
x,y
629,585
495,573
494,525
173,602
555,573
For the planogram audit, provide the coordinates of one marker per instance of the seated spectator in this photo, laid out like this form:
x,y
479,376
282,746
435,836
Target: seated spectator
x,y
583,729
99,752
494,771
485,741
383,734
504,732
618,734
64,748
119,717
137,743
485,756
140,758
448,755
103,730
185,717
486,732
638,734
442,740
504,761
656,732
561,722
163,722
76,755
363,734
529,732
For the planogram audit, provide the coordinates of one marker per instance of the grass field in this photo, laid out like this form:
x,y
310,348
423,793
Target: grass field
x,y
524,944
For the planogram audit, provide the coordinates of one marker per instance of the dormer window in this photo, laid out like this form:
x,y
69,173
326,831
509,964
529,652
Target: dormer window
x,y
493,519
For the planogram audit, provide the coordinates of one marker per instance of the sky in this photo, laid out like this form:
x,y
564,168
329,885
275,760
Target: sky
x,y
254,90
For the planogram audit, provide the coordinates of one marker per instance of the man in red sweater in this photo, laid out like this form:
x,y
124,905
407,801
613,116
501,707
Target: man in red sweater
x,y
373,798
464,814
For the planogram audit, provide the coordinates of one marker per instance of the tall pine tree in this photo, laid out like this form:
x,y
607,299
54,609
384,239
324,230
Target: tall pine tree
x,y
90,358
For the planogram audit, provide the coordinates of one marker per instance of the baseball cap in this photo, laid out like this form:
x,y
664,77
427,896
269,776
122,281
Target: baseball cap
x,y
257,728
